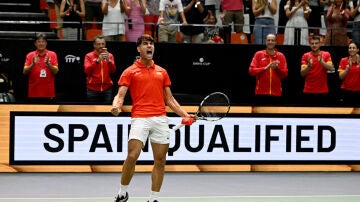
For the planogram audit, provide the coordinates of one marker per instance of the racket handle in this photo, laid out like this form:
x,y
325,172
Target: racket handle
x,y
177,126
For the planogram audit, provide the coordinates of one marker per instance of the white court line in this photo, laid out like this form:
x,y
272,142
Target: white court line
x,y
192,197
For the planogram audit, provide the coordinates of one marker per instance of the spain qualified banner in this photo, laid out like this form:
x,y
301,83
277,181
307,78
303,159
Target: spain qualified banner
x,y
71,138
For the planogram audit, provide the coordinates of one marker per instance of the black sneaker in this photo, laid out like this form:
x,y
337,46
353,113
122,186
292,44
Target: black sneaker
x,y
154,201
122,198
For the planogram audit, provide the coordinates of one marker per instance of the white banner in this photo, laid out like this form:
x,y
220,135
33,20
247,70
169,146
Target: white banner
x,y
93,138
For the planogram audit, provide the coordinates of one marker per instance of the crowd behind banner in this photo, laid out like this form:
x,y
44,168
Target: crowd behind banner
x,y
190,20
204,69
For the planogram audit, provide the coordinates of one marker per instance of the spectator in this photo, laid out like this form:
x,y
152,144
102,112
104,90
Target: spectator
x,y
326,5
269,66
113,27
135,11
151,17
233,12
264,11
98,66
41,66
282,20
297,11
248,13
6,85
314,67
169,14
211,5
93,12
72,12
337,17
213,33
354,6
195,12
349,73
314,20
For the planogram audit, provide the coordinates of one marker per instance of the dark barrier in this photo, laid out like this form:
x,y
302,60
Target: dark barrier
x,y
195,69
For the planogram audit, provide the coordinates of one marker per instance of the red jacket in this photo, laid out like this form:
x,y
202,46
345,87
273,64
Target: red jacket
x,y
268,82
98,74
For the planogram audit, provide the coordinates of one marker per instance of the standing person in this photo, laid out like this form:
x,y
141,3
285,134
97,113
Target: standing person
x,y
170,10
135,11
98,66
337,17
195,12
113,27
326,5
314,20
282,20
149,86
93,12
297,11
269,66
233,12
72,11
354,6
41,66
349,73
314,67
151,17
264,12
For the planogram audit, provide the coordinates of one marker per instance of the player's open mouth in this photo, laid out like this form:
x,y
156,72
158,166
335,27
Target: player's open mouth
x,y
149,52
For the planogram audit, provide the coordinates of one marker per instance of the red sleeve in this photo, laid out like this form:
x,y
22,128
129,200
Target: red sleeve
x,y
305,59
327,57
343,63
255,67
53,59
111,65
125,78
282,70
28,59
89,63
167,81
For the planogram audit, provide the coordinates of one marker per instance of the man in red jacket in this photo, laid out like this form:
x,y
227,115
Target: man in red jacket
x,y
98,66
269,66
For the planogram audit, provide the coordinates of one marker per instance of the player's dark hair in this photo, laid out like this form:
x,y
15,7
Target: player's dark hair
x,y
144,37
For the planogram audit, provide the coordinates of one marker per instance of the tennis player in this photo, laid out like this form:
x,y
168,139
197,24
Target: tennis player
x,y
149,86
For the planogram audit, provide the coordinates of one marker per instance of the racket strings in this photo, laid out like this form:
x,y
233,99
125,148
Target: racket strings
x,y
214,107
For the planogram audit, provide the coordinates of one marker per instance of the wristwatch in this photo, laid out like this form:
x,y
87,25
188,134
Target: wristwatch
x,y
197,3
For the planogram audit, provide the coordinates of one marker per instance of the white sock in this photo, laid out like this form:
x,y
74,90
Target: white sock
x,y
123,190
154,196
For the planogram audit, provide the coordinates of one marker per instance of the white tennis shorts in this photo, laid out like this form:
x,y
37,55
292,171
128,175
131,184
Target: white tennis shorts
x,y
155,128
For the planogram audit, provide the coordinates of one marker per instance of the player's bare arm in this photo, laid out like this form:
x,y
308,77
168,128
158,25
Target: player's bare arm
x,y
118,100
171,102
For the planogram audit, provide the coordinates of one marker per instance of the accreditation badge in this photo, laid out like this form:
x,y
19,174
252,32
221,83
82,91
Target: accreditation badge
x,y
42,73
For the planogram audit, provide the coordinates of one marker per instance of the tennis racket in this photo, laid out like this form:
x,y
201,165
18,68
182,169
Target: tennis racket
x,y
213,107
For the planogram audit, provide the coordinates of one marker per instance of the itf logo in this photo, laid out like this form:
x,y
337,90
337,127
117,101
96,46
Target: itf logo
x,y
3,58
72,59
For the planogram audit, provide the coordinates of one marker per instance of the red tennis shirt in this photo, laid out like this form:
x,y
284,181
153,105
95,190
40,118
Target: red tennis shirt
x,y
146,86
